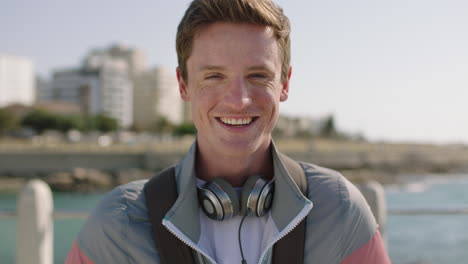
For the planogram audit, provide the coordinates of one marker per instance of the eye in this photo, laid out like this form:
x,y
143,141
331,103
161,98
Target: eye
x,y
213,76
258,76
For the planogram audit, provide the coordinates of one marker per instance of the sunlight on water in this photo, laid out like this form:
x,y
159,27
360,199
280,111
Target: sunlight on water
x,y
428,239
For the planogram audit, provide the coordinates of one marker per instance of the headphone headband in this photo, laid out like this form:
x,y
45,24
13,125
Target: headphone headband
x,y
219,200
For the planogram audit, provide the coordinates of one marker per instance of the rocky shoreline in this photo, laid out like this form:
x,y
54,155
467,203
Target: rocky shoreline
x,y
92,180
77,180
358,161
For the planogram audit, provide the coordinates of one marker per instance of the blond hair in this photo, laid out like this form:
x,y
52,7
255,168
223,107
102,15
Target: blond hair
x,y
257,12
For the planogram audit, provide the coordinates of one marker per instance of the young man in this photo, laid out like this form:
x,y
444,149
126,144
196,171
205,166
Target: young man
x,y
234,70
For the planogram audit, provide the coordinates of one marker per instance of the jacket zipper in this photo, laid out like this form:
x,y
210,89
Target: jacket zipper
x,y
186,242
303,214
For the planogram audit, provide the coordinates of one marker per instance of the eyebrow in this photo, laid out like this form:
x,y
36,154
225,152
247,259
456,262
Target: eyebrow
x,y
220,68
211,68
259,68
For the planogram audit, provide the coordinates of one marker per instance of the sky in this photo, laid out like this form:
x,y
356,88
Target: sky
x,y
391,70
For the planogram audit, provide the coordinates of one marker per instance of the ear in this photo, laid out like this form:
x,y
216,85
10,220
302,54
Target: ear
x,y
285,89
182,86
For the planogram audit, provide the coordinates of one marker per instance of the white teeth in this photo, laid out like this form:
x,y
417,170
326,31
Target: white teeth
x,y
232,121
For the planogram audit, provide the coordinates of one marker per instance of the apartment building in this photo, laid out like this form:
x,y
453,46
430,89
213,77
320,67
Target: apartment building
x,y
156,95
133,57
17,81
100,88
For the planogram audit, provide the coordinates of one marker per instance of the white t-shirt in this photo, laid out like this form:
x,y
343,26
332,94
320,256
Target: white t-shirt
x,y
220,238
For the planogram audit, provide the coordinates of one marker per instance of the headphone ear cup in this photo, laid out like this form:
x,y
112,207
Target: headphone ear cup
x,y
265,200
248,197
257,196
210,204
230,192
218,199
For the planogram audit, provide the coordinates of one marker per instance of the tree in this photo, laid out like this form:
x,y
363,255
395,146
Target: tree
x,y
328,128
163,126
105,123
40,121
185,129
8,121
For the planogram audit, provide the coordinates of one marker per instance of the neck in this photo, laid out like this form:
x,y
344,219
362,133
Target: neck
x,y
234,169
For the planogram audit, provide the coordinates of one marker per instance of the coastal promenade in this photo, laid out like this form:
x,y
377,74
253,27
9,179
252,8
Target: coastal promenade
x,y
69,167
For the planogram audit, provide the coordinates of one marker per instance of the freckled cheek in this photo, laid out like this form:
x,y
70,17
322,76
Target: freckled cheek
x,y
203,105
270,105
265,99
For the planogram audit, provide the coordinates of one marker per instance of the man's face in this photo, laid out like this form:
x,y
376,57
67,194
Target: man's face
x,y
234,86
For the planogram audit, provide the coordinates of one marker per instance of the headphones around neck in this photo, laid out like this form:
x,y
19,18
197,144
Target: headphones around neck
x,y
219,200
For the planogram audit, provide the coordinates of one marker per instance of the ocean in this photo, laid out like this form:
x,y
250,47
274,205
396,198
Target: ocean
x,y
420,239
428,239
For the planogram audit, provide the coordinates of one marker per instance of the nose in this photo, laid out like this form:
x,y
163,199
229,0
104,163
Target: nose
x,y
238,95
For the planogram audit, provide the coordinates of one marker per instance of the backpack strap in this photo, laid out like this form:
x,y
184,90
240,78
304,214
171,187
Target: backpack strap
x,y
290,249
296,171
161,194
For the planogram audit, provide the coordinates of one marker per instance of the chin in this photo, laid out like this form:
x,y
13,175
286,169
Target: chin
x,y
241,147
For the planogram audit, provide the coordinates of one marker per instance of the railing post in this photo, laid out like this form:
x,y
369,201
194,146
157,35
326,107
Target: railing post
x,y
375,196
34,242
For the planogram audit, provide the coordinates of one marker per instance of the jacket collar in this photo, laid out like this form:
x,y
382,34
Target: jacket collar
x,y
183,218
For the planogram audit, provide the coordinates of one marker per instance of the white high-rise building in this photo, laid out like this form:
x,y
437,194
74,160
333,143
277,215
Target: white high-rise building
x,y
17,81
102,88
135,58
169,101
156,95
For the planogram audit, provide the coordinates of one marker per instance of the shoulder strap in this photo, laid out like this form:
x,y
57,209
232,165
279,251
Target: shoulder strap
x,y
290,249
161,194
296,171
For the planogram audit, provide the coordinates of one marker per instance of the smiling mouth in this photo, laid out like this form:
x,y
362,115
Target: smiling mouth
x,y
238,122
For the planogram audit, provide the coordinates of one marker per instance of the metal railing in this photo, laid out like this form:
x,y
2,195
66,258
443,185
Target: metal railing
x,y
83,215
429,211
57,214
7,214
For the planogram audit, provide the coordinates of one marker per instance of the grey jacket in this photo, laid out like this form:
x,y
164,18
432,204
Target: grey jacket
x,y
340,227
